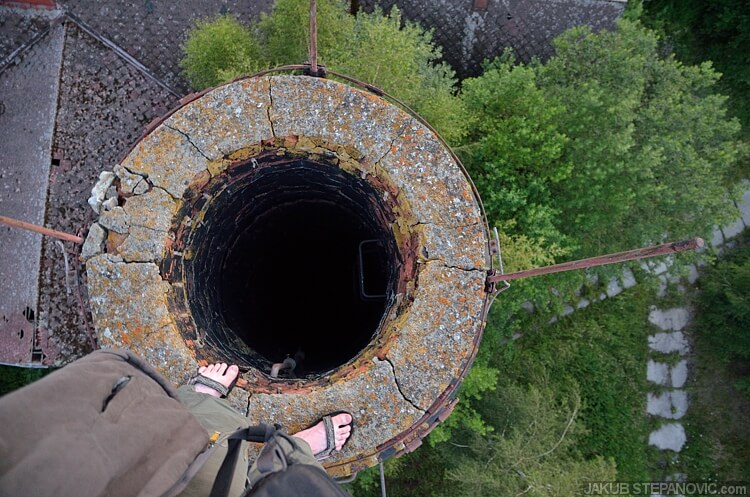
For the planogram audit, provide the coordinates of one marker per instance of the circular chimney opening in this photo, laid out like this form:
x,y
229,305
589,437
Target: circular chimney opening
x,y
293,258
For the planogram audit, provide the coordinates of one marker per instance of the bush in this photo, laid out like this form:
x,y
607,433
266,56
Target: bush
x,y
219,50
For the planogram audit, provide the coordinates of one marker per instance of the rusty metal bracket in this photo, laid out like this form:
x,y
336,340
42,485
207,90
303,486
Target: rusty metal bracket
x,y
491,283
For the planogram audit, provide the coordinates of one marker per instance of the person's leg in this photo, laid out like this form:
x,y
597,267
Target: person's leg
x,y
215,415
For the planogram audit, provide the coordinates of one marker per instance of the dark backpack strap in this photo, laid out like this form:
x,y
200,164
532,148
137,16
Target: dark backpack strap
x,y
260,433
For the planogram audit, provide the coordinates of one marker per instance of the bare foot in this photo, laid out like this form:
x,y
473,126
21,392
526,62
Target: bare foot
x,y
217,372
316,435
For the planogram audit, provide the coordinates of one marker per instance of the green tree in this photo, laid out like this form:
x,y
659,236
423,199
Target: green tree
x,y
609,145
535,451
718,31
651,151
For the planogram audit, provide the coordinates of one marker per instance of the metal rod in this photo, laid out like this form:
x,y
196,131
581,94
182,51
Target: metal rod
x,y
382,480
40,229
313,40
641,253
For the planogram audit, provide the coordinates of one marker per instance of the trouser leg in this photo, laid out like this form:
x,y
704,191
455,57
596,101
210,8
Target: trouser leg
x,y
215,415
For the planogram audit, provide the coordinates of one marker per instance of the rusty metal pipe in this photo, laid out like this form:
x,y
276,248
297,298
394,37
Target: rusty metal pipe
x,y
15,223
313,39
602,260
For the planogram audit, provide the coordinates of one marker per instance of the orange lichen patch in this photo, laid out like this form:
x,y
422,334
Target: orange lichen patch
x,y
244,153
438,339
168,158
114,240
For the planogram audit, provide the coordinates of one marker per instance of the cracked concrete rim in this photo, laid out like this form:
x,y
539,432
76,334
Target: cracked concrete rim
x,y
399,388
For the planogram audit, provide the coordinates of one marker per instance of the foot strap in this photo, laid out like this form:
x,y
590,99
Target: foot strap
x,y
330,439
208,382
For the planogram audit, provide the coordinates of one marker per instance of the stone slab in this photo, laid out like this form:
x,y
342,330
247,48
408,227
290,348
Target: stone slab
x,y
731,230
717,237
693,274
613,287
168,159
335,112
666,343
669,405
671,319
463,247
227,118
437,194
657,372
679,374
670,436
129,306
628,278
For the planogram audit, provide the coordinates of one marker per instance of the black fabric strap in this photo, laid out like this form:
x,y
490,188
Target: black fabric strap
x,y
260,433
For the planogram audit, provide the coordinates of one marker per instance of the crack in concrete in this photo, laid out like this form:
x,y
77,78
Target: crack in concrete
x,y
190,141
429,223
388,151
176,199
268,110
142,175
400,390
441,262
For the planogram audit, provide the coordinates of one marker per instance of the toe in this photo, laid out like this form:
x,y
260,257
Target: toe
x,y
222,368
342,419
202,369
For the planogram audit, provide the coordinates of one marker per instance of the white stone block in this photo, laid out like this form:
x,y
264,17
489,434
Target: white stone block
x,y
613,287
666,343
657,372
670,436
679,374
693,274
628,278
733,229
671,319
717,238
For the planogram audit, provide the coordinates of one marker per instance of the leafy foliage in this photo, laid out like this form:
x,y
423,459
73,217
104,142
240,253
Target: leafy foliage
x,y
535,452
724,311
219,50
718,31
607,146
